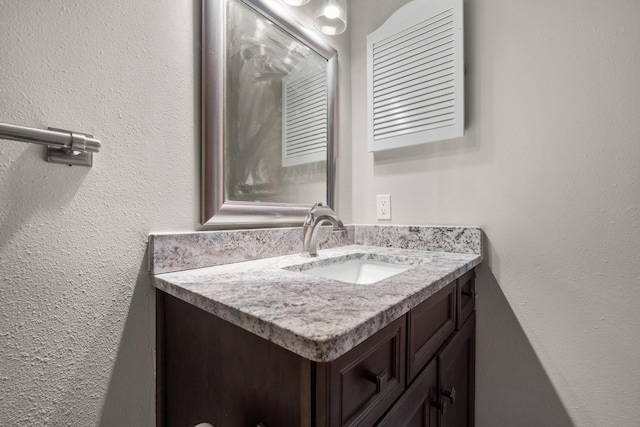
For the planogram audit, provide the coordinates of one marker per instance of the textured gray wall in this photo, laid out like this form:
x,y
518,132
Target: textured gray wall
x,y
77,317
77,314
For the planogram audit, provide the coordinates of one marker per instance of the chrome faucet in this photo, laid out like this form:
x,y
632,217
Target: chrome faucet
x,y
316,216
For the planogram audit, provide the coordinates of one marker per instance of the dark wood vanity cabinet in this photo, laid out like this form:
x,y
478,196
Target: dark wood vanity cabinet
x,y
441,361
417,371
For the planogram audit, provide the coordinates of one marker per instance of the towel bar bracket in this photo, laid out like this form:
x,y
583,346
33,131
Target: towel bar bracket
x,y
74,155
65,157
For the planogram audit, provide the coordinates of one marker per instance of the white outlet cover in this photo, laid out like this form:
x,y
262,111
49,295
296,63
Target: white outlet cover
x,y
383,206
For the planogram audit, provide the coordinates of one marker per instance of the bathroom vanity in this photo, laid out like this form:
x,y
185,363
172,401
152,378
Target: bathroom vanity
x,y
265,342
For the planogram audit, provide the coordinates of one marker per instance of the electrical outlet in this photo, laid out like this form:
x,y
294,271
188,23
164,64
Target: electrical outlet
x,y
384,206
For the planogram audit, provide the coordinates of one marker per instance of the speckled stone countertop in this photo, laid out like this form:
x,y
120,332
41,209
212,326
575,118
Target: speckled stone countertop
x,y
317,318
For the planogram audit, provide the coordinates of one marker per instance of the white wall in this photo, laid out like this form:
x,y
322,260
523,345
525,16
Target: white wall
x,y
550,168
77,311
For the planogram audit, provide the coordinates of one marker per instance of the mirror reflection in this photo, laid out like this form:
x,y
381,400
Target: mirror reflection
x,y
276,117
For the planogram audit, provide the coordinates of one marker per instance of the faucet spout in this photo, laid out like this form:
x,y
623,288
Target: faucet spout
x,y
317,215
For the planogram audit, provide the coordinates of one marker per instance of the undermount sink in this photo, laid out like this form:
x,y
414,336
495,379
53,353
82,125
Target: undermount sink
x,y
358,271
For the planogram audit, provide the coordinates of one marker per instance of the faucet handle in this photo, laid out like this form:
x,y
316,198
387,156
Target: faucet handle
x,y
308,218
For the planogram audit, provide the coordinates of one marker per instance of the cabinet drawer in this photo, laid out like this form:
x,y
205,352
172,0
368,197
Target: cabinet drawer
x,y
466,294
368,379
430,324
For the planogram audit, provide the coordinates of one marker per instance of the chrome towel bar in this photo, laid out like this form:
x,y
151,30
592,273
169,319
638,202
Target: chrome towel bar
x,y
64,146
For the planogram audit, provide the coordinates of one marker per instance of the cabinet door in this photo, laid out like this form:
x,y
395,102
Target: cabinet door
x,y
215,372
456,373
415,408
430,325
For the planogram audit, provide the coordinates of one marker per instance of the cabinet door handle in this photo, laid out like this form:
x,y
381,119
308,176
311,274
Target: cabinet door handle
x,y
467,293
378,379
442,406
450,394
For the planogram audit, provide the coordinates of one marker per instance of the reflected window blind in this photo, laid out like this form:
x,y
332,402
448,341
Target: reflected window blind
x,y
304,116
415,76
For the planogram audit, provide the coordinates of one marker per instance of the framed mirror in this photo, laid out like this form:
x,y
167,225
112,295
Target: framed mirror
x,y
269,123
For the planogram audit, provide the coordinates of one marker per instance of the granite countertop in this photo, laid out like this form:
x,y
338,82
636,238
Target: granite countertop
x,y
317,318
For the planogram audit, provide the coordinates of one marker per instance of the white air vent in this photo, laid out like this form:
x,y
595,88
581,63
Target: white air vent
x,y
304,115
415,76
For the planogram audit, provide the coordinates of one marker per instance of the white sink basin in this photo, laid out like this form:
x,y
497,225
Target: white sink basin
x,y
359,271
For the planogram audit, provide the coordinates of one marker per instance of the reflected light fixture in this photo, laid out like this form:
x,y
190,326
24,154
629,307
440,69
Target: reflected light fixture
x,y
330,17
296,2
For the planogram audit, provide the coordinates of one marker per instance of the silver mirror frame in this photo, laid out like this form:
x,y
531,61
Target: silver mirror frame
x,y
232,214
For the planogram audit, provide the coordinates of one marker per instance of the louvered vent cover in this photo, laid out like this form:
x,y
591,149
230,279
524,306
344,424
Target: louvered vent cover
x,y
415,76
304,115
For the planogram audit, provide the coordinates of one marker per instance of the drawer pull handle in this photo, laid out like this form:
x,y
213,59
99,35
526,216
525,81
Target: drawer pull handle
x,y
467,293
378,379
450,394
